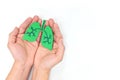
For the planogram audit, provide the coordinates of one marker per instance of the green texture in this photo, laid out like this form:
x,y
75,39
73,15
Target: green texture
x,y
47,38
32,32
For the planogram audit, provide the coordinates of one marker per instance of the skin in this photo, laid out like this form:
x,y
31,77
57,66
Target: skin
x,y
28,54
22,51
45,60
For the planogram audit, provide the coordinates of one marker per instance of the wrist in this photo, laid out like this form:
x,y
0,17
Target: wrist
x,y
42,74
19,64
19,71
16,71
24,68
23,64
41,68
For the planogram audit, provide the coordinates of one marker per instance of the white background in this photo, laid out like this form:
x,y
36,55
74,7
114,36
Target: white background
x,y
91,30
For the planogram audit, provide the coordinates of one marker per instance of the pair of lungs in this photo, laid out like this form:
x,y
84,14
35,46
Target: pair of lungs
x,y
32,33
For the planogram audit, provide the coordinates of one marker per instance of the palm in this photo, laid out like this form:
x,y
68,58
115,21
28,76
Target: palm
x,y
22,50
47,59
25,49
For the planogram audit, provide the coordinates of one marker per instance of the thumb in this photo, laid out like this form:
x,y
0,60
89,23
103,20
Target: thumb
x,y
13,35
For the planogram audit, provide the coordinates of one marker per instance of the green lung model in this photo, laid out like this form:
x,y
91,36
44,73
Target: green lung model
x,y
33,31
47,38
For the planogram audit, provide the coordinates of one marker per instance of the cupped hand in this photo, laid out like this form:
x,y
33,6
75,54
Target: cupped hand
x,y
46,59
22,51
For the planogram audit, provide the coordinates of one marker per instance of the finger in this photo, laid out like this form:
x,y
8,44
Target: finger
x,y
20,35
46,24
39,36
57,33
24,25
40,21
60,51
55,46
35,18
51,22
13,35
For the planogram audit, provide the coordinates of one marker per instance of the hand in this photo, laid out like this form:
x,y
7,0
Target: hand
x,y
22,51
46,59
